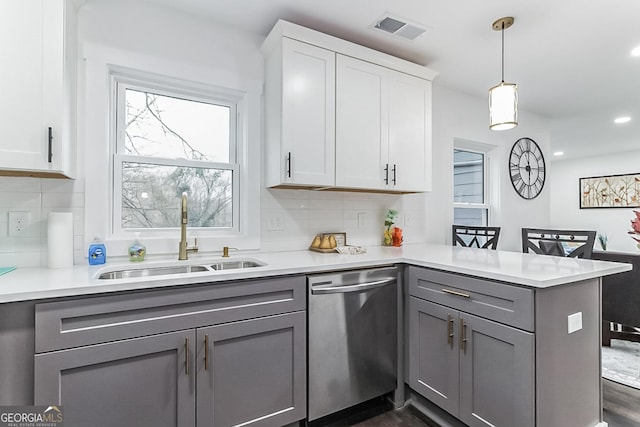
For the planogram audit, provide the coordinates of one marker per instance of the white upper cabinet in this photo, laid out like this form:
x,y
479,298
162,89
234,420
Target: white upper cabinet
x,y
341,115
38,88
361,138
300,115
383,128
409,132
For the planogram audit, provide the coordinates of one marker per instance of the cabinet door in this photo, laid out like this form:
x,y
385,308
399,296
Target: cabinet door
x,y
23,142
496,374
361,123
146,381
409,132
252,373
32,40
433,353
308,114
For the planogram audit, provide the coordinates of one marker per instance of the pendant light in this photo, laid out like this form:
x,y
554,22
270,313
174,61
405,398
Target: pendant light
x,y
503,98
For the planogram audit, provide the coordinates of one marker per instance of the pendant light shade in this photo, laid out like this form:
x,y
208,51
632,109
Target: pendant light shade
x,y
503,98
503,106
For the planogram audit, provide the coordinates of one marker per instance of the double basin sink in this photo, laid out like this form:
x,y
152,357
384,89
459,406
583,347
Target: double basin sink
x,y
179,269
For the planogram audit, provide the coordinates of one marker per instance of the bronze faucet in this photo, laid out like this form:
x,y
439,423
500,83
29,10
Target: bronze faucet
x,y
184,249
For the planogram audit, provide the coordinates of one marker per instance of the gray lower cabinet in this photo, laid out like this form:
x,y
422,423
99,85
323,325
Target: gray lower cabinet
x,y
137,382
478,370
252,373
227,368
465,355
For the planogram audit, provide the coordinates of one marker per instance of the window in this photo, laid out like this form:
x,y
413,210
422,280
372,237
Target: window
x,y
471,206
170,140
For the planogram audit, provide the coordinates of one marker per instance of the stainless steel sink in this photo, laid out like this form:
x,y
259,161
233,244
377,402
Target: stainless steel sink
x,y
230,265
152,271
127,273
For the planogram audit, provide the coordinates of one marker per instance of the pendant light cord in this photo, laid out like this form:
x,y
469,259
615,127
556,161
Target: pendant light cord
x,y
502,51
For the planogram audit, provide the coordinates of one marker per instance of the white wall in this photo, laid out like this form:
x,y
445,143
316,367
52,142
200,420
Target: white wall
x,y
170,42
565,199
460,116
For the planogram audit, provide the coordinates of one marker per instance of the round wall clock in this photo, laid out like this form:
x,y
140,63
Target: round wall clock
x,y
527,168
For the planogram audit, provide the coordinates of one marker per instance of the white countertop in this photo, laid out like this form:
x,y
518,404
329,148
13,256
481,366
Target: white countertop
x,y
529,270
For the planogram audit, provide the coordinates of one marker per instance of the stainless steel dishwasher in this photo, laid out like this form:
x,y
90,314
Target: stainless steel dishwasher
x,y
352,338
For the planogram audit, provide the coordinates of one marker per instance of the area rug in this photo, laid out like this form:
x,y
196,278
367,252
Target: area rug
x,y
621,362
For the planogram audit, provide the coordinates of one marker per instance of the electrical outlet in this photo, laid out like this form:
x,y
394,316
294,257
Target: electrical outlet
x,y
574,322
19,223
408,220
275,222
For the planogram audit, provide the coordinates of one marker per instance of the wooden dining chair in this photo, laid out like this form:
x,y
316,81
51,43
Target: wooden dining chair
x,y
475,236
565,243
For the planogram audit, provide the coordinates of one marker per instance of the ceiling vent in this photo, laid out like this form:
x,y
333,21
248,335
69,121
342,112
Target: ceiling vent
x,y
400,27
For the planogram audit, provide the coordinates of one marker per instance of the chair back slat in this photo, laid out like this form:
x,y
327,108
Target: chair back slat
x,y
475,235
565,243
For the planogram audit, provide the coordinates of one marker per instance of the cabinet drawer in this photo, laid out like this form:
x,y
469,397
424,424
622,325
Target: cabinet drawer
x,y
79,322
503,303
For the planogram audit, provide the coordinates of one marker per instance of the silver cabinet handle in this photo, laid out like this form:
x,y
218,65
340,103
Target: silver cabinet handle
x,y
456,293
394,174
360,287
450,330
386,174
463,336
288,171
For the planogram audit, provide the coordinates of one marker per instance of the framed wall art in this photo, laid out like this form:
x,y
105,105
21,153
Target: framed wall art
x,y
610,191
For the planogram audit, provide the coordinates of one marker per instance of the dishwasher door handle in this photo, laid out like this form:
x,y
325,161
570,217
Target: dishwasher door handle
x,y
360,287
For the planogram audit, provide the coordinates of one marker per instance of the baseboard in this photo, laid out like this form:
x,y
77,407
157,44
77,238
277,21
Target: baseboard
x,y
431,411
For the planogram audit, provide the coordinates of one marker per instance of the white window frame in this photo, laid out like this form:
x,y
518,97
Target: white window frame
x,y
122,79
484,149
95,131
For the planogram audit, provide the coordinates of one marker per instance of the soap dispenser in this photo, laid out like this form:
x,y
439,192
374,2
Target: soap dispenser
x,y
97,252
137,250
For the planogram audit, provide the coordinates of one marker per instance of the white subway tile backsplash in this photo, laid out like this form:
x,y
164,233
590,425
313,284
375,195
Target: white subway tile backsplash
x,y
62,200
336,211
304,213
38,197
13,200
20,185
63,185
326,204
21,259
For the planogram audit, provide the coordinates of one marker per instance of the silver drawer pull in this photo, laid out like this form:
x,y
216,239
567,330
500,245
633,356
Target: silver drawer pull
x,y
459,294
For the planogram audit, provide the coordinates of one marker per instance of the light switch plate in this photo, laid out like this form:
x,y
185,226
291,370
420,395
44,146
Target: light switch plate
x,y
574,322
362,220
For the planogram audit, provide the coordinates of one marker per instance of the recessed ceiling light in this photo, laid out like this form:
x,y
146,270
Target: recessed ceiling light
x,y
635,51
558,153
623,119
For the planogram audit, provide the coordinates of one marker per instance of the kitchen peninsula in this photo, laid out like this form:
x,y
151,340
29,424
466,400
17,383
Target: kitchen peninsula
x,y
550,306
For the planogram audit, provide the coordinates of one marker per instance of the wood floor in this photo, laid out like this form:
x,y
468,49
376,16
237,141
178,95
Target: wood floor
x,y
621,404
621,409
